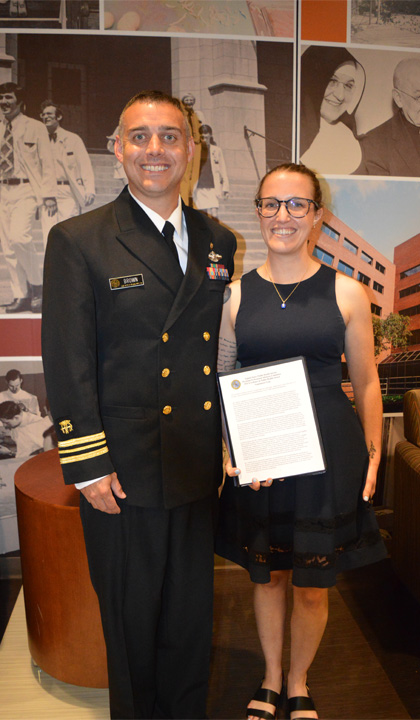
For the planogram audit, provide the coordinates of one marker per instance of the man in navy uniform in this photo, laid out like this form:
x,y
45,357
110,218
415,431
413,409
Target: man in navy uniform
x,y
132,305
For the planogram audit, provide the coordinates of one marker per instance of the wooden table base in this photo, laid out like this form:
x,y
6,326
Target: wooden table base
x,y
62,611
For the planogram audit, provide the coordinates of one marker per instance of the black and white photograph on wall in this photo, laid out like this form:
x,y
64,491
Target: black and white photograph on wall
x,y
386,22
360,111
332,87
26,430
390,114
59,126
50,14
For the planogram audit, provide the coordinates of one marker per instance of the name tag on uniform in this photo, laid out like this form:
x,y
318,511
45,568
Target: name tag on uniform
x,y
217,272
127,281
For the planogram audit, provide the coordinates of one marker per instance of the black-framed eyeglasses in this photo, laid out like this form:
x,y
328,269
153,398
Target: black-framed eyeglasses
x,y
296,207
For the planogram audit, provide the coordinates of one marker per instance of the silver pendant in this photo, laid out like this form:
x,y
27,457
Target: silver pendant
x,y
214,257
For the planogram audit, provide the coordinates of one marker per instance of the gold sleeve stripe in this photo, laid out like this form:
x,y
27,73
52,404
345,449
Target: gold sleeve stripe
x,y
80,449
81,440
85,456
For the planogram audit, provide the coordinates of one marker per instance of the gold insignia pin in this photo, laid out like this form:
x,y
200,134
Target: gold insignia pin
x,y
66,427
214,257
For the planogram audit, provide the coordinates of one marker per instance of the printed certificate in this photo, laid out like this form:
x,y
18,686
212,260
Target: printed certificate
x,y
270,419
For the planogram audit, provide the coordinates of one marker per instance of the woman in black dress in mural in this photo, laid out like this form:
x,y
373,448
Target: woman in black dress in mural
x,y
310,527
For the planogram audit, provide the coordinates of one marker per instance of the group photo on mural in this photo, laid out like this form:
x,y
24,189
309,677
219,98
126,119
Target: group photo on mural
x,y
192,189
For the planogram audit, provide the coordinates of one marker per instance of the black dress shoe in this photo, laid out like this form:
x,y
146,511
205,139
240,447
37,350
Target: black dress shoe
x,y
19,305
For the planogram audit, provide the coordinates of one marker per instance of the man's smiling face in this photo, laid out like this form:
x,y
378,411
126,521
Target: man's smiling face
x,y
154,151
9,105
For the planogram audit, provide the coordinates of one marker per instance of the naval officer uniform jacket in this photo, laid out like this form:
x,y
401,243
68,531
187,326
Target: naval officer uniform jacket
x,y
129,346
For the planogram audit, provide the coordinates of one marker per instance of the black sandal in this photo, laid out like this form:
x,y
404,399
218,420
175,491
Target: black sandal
x,y
300,702
271,698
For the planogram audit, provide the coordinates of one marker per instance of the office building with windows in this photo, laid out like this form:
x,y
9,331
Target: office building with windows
x,y
407,285
337,245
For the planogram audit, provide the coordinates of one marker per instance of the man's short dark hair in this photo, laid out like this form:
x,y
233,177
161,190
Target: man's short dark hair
x,y
11,87
9,410
153,96
50,103
13,375
156,97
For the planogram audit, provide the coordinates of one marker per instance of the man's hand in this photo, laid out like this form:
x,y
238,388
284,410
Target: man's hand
x,y
50,205
101,494
89,199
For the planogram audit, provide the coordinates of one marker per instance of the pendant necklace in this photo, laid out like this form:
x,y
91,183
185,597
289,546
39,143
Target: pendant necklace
x,y
283,300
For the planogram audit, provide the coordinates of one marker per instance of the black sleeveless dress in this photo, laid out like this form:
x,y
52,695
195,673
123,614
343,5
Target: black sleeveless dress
x,y
316,525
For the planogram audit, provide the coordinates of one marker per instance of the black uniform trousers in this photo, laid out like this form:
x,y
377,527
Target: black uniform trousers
x,y
152,570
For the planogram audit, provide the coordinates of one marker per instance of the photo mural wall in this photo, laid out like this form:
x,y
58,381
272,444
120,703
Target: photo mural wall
x,y
334,83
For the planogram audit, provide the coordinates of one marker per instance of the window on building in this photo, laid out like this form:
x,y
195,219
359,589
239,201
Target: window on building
x,y
380,268
350,246
379,288
328,230
345,268
363,278
322,255
410,271
366,258
375,309
414,310
415,337
410,290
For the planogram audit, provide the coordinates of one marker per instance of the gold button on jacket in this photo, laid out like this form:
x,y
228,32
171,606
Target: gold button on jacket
x,y
206,370
207,405
167,410
165,372
165,337
206,336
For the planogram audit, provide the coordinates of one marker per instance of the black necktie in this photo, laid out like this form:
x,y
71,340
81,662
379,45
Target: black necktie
x,y
6,151
168,234
53,137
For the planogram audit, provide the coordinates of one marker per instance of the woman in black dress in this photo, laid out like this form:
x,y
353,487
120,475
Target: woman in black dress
x,y
310,527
